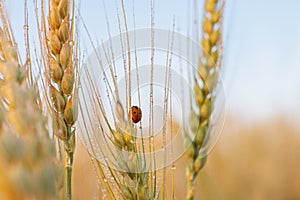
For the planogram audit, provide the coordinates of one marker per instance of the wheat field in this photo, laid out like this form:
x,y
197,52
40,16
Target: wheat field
x,y
256,162
144,111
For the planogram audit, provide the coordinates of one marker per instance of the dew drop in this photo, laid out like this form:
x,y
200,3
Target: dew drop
x,y
26,26
173,167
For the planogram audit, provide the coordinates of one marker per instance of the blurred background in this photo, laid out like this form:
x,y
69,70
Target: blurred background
x,y
257,156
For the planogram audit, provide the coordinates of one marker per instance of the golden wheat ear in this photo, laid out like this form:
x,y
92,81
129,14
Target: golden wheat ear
x,y
60,57
208,74
28,168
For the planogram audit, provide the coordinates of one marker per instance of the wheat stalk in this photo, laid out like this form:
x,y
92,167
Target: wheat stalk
x,y
27,167
208,73
61,71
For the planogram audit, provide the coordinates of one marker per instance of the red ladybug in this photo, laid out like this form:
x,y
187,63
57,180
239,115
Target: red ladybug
x,y
136,114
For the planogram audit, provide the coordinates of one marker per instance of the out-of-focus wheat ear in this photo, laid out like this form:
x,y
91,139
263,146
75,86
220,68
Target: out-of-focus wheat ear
x,y
208,74
27,159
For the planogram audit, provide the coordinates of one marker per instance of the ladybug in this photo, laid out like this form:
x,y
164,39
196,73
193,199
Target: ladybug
x,y
136,114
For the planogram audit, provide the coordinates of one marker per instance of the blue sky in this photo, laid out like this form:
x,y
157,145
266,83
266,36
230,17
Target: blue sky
x,y
264,55
261,41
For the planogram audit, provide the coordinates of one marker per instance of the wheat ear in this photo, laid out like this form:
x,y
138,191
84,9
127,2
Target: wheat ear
x,y
127,177
27,167
208,73
63,74
131,165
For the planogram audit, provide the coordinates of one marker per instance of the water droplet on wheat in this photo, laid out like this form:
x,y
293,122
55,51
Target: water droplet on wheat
x,y
151,138
173,167
26,27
